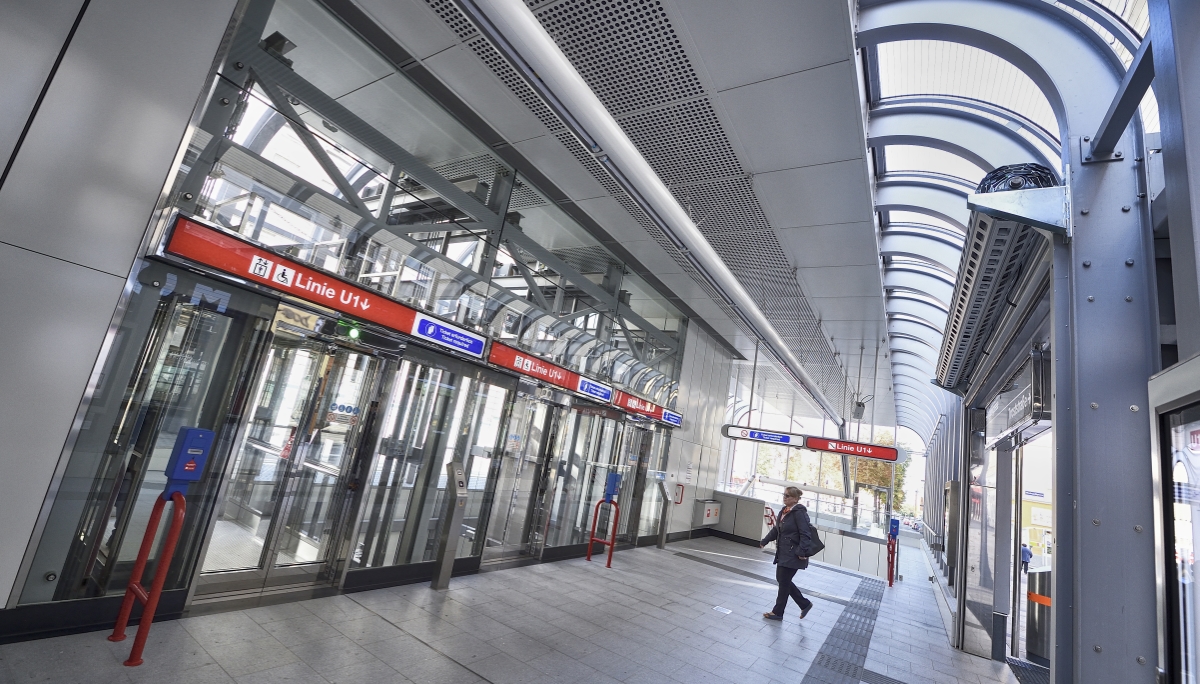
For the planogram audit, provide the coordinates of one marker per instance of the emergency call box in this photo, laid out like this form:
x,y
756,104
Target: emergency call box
x,y
459,481
611,486
190,454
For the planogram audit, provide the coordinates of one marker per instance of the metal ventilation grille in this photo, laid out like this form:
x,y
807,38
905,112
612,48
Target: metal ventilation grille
x,y
626,50
454,18
726,205
593,259
515,83
483,167
684,141
523,197
992,261
995,254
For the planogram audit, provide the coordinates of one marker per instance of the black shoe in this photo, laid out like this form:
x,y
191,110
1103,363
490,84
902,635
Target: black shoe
x,y
772,616
804,611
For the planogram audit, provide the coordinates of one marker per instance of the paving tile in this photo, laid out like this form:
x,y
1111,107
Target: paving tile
x,y
247,657
369,672
649,619
294,673
502,668
331,654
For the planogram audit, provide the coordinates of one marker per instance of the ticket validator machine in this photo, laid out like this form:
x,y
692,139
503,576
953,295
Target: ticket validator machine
x,y
456,506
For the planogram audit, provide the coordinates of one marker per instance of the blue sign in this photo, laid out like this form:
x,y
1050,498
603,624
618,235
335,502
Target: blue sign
x,y
770,437
448,336
188,457
894,530
611,485
672,418
739,432
595,389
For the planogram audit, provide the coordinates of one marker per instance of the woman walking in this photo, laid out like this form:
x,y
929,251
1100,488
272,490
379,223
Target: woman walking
x,y
791,534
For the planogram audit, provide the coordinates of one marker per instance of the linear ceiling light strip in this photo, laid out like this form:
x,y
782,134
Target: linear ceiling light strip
x,y
534,54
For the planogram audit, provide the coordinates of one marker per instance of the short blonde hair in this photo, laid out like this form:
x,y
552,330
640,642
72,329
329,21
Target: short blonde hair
x,y
793,492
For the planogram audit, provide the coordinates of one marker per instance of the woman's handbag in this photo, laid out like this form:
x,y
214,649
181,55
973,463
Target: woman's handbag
x,y
815,545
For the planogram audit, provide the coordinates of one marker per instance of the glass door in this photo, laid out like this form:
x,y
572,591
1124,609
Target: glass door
x,y
517,476
285,506
1181,495
433,409
585,451
633,463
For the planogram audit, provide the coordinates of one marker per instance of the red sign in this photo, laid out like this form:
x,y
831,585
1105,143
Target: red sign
x,y
624,400
236,257
853,448
514,359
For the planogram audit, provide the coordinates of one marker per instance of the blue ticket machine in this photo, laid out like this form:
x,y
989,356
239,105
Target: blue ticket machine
x,y
188,458
611,485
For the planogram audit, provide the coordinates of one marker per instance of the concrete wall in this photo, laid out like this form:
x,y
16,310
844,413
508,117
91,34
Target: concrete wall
x,y
695,452
76,203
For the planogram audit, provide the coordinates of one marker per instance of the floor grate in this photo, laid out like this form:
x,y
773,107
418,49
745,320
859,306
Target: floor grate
x,y
1028,673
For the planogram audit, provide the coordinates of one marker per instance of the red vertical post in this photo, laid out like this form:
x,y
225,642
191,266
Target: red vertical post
x,y
891,556
611,543
135,590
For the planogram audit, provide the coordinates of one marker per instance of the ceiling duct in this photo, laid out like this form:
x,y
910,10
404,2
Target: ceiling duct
x,y
997,250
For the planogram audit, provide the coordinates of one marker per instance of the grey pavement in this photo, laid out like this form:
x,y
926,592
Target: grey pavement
x,y
689,614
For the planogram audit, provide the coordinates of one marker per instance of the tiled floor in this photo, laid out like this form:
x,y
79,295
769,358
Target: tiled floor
x,y
653,617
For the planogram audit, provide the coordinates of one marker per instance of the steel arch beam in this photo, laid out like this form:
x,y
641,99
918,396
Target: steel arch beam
x,y
918,329
938,202
907,280
940,253
902,303
917,403
981,141
1050,46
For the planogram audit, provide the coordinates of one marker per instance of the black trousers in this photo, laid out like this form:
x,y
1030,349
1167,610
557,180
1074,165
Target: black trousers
x,y
787,588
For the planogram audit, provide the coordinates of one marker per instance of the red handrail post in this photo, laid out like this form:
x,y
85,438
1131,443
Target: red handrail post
x,y
611,543
135,590
891,556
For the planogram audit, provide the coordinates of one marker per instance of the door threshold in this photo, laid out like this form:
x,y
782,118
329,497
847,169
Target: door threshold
x,y
506,563
256,598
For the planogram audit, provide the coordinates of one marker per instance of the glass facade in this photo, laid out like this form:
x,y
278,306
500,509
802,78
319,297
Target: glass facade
x,y
333,435
1181,464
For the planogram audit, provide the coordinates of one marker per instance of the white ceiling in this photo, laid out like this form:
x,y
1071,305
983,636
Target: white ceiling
x,y
784,86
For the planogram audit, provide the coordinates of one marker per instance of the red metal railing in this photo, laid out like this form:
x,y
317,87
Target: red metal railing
x,y
891,556
612,541
135,590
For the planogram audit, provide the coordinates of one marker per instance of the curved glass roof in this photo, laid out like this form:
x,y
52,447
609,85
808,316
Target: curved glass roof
x,y
935,67
916,158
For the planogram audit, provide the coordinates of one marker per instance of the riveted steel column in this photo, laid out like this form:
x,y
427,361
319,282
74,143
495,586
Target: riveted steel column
x,y
1104,345
1174,25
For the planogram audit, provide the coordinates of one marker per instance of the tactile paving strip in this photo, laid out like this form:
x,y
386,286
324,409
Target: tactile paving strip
x,y
840,659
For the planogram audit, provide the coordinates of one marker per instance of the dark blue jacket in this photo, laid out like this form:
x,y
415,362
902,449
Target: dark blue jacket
x,y
791,536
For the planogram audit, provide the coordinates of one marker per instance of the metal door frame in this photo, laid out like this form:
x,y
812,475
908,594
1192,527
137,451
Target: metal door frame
x,y
267,564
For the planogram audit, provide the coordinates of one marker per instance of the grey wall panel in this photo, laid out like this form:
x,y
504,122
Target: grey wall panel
x,y
86,179
31,36
58,315
703,385
73,212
